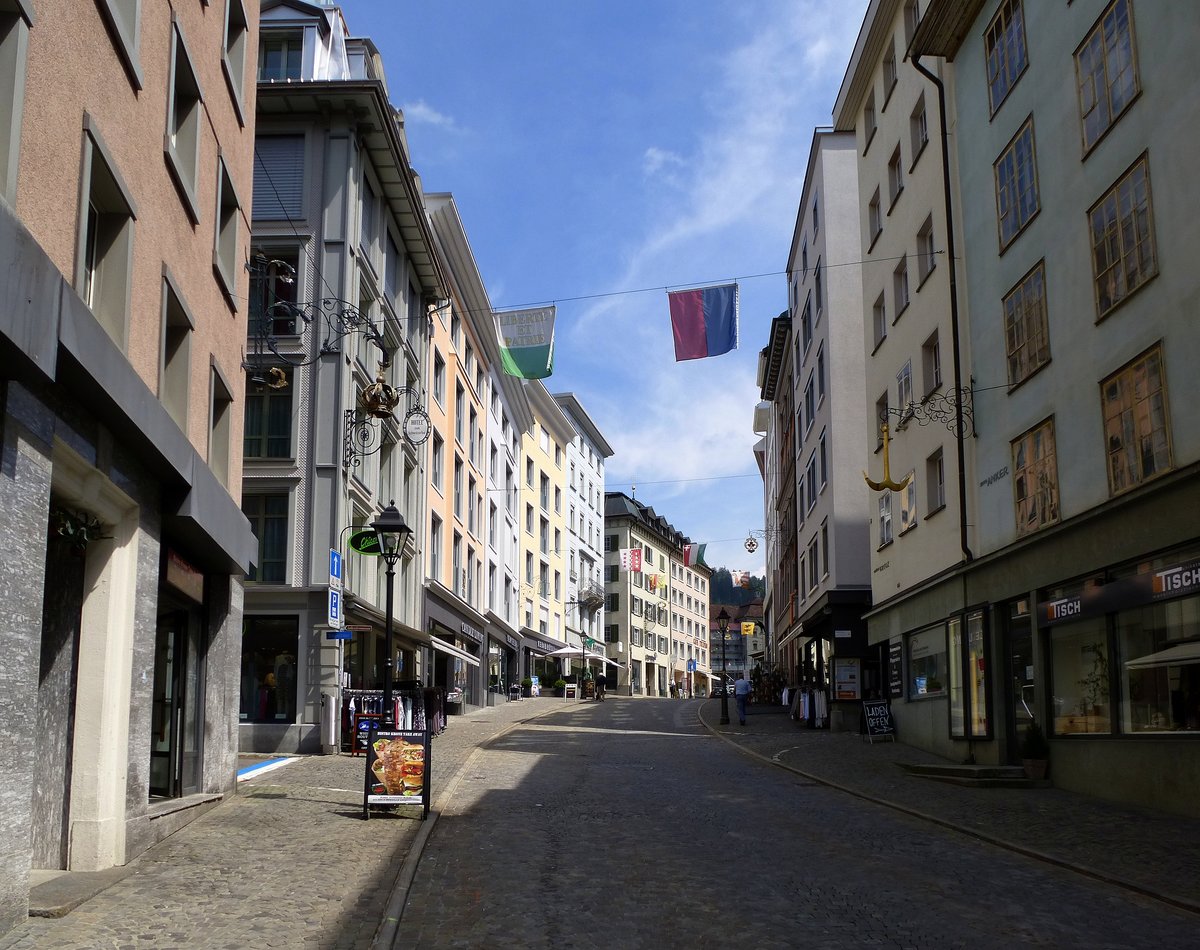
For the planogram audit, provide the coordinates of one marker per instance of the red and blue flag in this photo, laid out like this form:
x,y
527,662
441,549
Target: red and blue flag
x,y
704,321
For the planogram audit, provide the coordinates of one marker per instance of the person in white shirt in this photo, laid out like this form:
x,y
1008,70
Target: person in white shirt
x,y
741,693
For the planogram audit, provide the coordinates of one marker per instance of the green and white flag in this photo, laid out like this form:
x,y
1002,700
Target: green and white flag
x,y
527,342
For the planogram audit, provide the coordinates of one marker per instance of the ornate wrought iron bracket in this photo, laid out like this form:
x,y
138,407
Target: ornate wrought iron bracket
x,y
376,403
938,407
753,536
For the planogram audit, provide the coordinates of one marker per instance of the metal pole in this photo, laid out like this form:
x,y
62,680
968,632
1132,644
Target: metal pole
x,y
724,682
388,711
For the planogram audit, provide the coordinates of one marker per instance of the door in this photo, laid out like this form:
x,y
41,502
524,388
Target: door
x,y
1021,677
176,721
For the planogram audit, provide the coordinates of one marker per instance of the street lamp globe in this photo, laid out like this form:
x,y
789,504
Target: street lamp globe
x,y
391,532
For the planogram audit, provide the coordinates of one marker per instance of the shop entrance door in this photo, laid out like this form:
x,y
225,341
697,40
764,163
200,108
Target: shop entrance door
x,y
177,699
1021,678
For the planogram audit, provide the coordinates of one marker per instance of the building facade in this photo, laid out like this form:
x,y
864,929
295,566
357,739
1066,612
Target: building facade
x,y
124,177
346,275
586,454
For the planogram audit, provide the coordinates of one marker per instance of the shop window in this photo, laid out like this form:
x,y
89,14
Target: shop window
x,y
1007,57
927,663
967,670
1035,478
269,651
1160,685
1026,326
268,517
1123,250
268,430
1106,72
1080,685
1135,422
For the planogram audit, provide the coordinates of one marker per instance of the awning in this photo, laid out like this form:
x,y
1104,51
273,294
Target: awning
x,y
445,647
1182,654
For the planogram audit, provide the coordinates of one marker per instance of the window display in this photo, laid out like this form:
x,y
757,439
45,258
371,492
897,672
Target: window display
x,y
269,669
1079,678
927,663
1160,669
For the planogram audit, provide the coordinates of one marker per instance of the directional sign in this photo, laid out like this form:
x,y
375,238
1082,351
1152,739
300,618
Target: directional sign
x,y
365,542
335,568
335,607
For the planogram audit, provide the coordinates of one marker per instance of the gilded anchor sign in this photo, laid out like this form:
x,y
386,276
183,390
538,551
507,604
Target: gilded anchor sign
x,y
886,482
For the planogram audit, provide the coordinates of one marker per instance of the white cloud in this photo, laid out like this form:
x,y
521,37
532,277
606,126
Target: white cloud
x,y
655,159
422,113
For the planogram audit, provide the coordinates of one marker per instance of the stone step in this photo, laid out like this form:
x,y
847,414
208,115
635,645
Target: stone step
x,y
976,776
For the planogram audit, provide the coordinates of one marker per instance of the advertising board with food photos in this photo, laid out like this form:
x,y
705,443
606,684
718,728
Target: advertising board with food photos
x,y
397,769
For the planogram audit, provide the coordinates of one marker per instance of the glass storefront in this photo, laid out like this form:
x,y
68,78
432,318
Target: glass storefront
x,y
968,677
927,663
269,649
1159,646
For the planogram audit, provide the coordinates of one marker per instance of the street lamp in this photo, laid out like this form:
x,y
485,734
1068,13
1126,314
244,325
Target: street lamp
x,y
391,532
723,627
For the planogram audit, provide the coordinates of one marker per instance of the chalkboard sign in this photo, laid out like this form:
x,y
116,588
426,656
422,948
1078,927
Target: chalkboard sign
x,y
878,715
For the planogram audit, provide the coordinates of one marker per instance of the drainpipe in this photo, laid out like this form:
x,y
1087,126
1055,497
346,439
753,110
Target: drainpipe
x,y
958,400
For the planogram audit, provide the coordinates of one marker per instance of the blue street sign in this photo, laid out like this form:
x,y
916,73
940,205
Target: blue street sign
x,y
339,635
335,568
335,607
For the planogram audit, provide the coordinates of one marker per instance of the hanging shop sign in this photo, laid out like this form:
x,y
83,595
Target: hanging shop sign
x,y
398,768
878,716
365,542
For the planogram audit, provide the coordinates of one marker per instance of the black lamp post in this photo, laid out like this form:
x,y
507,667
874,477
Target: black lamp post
x,y
722,628
391,532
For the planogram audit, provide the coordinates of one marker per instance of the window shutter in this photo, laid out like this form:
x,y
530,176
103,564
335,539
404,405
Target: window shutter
x,y
279,177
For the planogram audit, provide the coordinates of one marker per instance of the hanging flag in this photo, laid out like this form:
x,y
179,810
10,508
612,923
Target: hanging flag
x,y
693,554
740,578
704,321
631,559
527,342
747,628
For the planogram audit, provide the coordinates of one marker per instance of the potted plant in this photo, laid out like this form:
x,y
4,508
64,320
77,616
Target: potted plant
x,y
560,687
1035,751
527,687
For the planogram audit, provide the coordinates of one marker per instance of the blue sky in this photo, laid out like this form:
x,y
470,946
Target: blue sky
x,y
602,152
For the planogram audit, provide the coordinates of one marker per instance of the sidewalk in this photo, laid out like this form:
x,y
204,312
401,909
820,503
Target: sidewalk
x,y
1150,852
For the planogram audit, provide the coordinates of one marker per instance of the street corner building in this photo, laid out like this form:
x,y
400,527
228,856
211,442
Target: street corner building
x,y
123,172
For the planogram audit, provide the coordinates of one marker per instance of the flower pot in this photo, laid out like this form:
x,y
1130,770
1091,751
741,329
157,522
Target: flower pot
x,y
1034,768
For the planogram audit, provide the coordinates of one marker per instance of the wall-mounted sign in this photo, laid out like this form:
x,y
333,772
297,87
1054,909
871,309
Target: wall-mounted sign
x,y
845,677
183,577
365,542
896,668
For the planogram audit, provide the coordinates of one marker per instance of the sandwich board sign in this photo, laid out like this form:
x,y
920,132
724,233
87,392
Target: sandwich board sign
x,y
878,715
398,768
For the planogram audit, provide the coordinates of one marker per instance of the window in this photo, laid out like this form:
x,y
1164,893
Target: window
x,y
821,373
268,517
435,547
1106,72
458,487
1035,478
472,438
459,415
1123,253
274,295
15,21
870,123
1138,444
106,239
220,425
900,286
908,503
472,526
439,378
233,58
368,221
825,545
818,290
278,177
885,518
270,646
904,391
175,375
881,419
184,111
889,72
912,18
268,429
280,55
874,218
810,403
927,663
968,661
935,482
1079,667
918,129
814,567
895,177
823,449
810,478
816,217
225,247
925,251
544,492
1161,688
1026,328
437,465
529,519
1004,43
931,364
1016,185
124,23
529,472
879,321
806,324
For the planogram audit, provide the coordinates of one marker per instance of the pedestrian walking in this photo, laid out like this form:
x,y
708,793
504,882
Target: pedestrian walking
x,y
741,693
601,682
